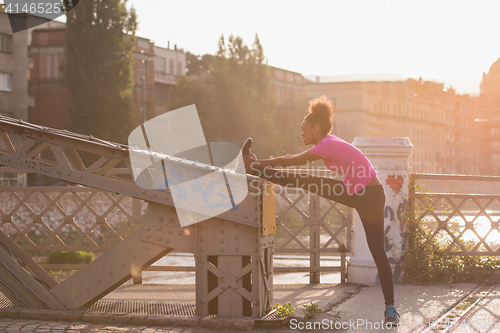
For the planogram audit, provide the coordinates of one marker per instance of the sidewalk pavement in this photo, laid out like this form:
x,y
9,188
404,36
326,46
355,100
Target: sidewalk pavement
x,y
355,308
418,306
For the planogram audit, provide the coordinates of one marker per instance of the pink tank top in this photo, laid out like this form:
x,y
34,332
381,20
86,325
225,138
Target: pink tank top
x,y
344,158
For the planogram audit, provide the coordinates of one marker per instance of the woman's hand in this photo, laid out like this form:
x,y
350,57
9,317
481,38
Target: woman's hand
x,y
249,159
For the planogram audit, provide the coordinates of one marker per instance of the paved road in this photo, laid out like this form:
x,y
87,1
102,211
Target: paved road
x,y
418,306
345,303
37,326
483,317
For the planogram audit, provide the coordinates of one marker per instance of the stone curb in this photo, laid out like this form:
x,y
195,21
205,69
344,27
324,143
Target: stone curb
x,y
345,291
237,324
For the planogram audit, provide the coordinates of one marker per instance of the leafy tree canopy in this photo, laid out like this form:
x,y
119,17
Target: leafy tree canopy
x,y
232,93
100,38
198,65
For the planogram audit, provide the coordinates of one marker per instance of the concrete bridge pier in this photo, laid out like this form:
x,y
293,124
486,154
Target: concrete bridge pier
x,y
390,157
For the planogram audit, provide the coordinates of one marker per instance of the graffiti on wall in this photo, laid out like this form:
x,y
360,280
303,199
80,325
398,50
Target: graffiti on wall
x,y
394,213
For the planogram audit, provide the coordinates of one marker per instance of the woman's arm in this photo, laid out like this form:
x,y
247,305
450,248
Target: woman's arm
x,y
283,161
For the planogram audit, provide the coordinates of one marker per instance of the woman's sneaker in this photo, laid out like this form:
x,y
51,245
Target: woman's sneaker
x,y
245,150
391,315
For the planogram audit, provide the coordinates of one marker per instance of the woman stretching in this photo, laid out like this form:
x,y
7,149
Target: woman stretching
x,y
360,189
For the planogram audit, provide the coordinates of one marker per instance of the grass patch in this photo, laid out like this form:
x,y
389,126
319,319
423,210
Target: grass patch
x,y
311,310
70,257
283,310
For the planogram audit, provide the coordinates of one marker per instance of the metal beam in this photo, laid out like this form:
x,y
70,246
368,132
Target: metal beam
x,y
109,271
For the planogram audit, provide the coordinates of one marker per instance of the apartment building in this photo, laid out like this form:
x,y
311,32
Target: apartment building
x,y
489,120
152,85
169,64
51,98
436,121
15,65
286,85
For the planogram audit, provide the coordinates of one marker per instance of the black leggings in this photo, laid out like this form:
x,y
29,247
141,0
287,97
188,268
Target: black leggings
x,y
368,202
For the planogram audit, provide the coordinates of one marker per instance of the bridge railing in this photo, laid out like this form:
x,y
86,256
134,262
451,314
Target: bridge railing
x,y
461,212
76,218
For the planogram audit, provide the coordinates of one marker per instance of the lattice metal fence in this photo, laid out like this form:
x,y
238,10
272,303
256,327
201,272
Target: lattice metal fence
x,y
461,212
311,225
86,219
68,218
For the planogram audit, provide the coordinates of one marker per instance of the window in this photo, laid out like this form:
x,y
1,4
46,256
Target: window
x,y
49,67
5,82
160,64
179,68
56,66
171,65
52,66
5,43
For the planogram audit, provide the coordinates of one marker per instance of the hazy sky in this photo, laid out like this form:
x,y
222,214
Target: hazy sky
x,y
437,40
432,39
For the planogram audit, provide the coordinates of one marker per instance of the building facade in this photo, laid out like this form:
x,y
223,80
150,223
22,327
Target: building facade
x,y
51,98
169,65
152,88
439,123
286,85
15,69
15,64
489,121
292,104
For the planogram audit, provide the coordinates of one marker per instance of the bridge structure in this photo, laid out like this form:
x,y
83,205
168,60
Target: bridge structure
x,y
233,250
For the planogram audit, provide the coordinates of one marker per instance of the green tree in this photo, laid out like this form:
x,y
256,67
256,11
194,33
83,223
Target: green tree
x,y
100,38
233,95
198,65
290,116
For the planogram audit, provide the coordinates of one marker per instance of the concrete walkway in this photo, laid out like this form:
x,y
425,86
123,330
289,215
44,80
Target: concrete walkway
x,y
347,308
417,305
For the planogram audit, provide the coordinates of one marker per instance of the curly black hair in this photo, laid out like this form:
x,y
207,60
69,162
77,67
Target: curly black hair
x,y
321,112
